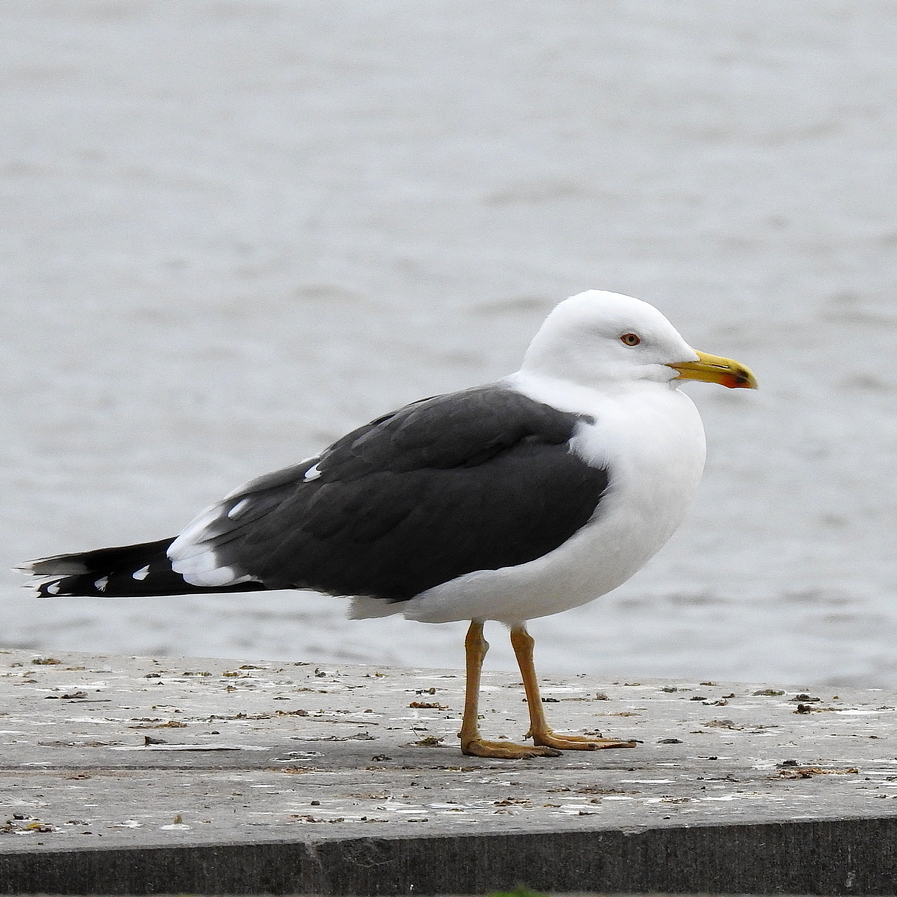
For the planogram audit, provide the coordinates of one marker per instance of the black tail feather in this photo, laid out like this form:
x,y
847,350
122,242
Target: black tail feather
x,y
126,571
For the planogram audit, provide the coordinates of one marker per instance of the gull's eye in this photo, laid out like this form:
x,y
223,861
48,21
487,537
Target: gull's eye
x,y
630,339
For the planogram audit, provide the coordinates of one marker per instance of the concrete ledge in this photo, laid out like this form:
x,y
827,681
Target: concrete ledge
x,y
838,857
138,776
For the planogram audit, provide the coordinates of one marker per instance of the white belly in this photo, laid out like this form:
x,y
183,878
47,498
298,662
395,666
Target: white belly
x,y
654,449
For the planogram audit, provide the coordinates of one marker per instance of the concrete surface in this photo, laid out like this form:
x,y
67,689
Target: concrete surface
x,y
140,775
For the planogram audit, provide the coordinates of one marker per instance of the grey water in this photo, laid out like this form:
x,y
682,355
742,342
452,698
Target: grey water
x,y
230,231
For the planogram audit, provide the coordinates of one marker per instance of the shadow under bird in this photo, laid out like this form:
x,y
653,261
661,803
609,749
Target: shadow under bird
x,y
510,501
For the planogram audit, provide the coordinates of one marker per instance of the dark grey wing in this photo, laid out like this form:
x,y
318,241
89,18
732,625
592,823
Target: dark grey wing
x,y
476,480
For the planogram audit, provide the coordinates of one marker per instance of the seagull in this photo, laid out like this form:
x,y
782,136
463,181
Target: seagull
x,y
510,501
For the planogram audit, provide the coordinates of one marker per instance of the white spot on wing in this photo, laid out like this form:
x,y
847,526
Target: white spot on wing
x,y
195,530
223,576
193,556
142,573
102,582
311,474
238,508
46,588
203,569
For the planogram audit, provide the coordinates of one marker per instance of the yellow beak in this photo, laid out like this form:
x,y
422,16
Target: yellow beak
x,y
714,369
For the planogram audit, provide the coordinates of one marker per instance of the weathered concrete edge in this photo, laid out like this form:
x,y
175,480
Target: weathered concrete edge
x,y
803,857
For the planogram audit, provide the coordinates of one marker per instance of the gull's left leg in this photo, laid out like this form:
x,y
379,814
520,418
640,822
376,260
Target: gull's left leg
x,y
539,730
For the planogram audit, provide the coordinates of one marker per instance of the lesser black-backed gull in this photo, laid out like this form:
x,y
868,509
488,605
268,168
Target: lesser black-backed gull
x,y
510,501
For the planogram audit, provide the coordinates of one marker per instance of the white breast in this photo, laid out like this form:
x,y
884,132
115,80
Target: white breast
x,y
650,438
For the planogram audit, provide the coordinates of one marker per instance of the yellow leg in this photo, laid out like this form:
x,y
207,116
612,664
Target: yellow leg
x,y
472,743
539,730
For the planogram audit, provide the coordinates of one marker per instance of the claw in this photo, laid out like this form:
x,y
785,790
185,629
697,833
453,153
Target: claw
x,y
507,750
551,739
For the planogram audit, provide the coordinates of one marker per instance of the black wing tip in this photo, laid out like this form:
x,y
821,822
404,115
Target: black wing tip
x,y
49,574
53,587
57,565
